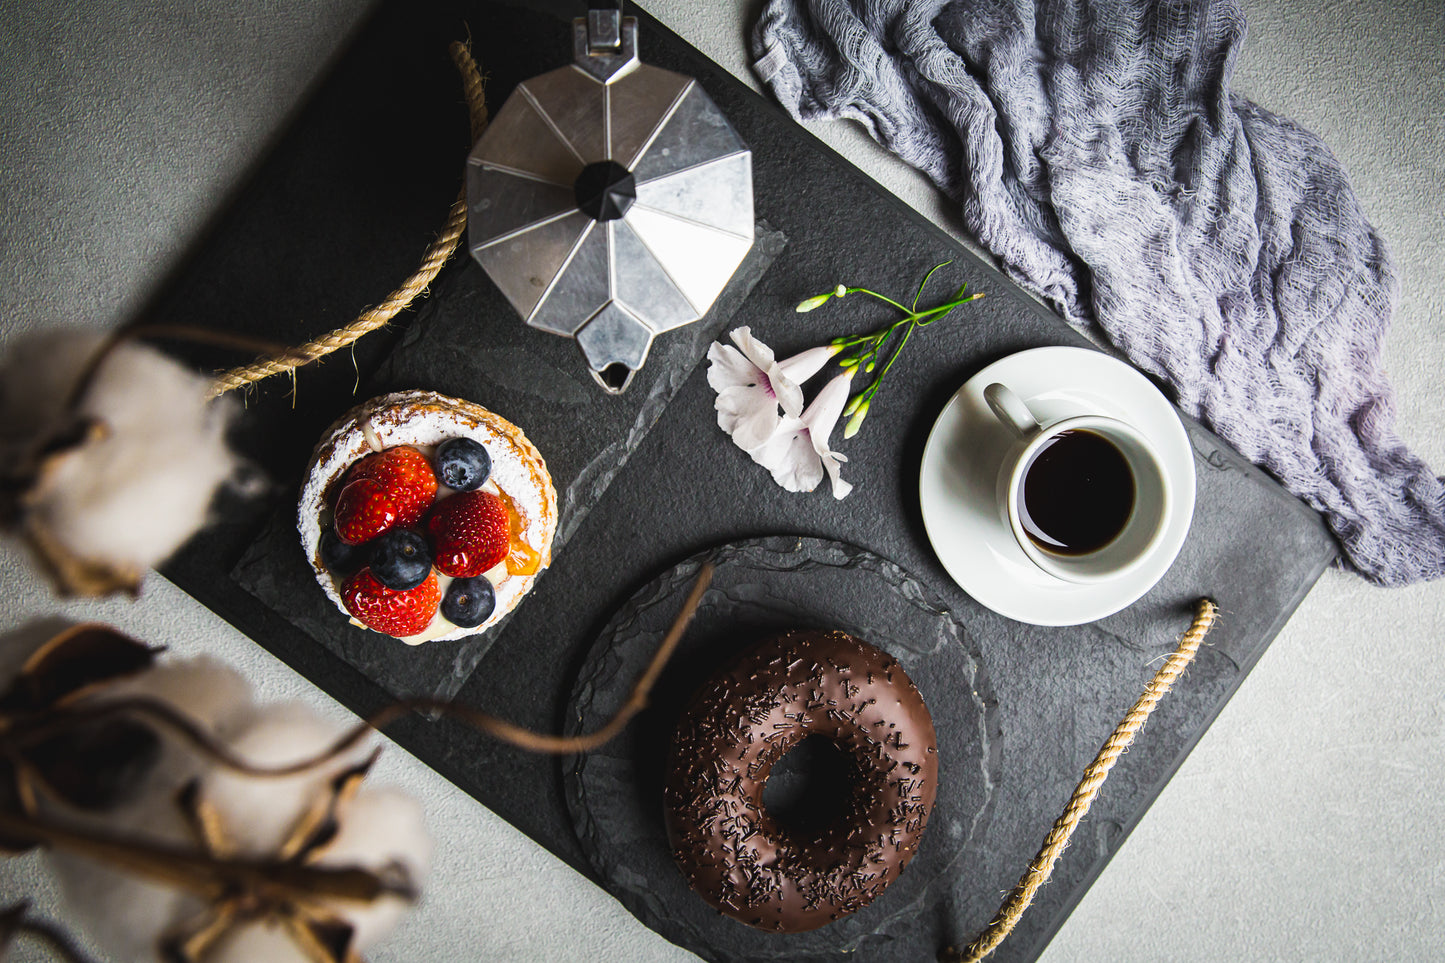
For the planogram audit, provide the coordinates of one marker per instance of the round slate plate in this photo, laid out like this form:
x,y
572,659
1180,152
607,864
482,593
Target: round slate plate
x,y
759,588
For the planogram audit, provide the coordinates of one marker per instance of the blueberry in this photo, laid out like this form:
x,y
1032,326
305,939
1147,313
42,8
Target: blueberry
x,y
400,559
339,557
468,601
463,464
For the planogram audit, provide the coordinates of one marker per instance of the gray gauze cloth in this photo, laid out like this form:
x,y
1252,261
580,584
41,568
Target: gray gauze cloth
x,y
1096,150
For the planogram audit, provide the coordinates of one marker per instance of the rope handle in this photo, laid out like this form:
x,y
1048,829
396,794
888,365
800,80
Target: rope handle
x,y
433,260
1206,613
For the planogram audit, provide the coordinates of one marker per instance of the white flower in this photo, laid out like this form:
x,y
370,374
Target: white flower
x,y
792,443
798,454
750,387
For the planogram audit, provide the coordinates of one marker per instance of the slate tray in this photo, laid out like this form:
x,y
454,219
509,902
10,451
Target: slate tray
x,y
760,588
334,215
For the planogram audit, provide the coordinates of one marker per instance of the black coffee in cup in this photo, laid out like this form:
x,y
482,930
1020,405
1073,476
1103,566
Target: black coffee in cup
x,y
1077,493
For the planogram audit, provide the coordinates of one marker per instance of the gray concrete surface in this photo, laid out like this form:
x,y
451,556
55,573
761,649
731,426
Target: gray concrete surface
x,y
1306,825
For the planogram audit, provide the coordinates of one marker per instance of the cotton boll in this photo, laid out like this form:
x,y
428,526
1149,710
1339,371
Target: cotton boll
x,y
378,827
37,375
255,814
257,941
259,813
138,493
140,484
205,690
214,698
381,825
143,490
123,914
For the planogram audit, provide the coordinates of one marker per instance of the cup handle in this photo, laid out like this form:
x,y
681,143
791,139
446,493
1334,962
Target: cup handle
x,y
1010,409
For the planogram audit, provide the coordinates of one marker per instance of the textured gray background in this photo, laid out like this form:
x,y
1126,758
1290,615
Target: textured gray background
x,y
1306,823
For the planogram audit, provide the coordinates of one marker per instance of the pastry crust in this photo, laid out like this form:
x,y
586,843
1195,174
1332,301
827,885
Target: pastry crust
x,y
425,419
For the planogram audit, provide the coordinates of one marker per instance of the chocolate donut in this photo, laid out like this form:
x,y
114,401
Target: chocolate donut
x,y
745,719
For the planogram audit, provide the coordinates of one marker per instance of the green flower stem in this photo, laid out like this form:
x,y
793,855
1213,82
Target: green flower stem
x,y
879,380
924,283
868,347
945,308
880,297
910,317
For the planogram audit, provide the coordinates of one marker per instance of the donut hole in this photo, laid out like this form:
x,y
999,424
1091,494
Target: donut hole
x,y
811,788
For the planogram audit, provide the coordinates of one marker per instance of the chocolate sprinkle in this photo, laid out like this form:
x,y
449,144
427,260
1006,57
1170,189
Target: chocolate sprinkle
x,y
731,850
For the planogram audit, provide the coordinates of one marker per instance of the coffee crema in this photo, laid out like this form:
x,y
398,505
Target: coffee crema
x,y
1077,493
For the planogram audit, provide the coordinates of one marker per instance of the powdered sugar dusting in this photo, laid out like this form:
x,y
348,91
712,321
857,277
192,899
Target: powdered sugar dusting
x,y
425,419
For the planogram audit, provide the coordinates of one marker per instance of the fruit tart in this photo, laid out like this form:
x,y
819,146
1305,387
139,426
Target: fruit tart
x,y
426,517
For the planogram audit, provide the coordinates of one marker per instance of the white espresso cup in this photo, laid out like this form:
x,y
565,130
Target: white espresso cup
x,y
1086,496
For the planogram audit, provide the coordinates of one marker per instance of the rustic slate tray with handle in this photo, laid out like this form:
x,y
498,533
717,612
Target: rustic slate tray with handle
x,y
336,214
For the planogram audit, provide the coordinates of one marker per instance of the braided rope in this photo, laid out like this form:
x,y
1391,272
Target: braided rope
x,y
413,287
1205,615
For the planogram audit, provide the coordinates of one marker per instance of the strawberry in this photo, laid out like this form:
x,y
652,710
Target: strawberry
x,y
363,511
469,533
405,474
388,610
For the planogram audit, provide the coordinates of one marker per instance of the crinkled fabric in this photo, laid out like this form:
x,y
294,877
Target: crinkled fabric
x,y
1096,150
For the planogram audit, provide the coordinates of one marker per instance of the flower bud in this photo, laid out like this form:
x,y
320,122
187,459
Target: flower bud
x,y
802,366
851,428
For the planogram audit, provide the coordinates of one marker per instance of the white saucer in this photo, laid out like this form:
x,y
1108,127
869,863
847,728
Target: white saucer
x,y
960,470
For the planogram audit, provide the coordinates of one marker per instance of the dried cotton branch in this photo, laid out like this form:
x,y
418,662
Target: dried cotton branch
x,y
135,870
